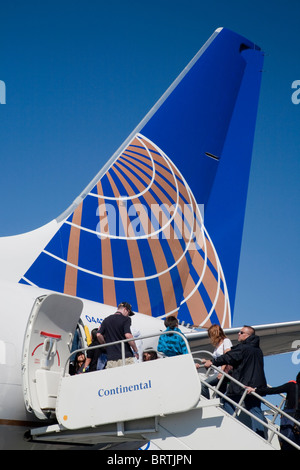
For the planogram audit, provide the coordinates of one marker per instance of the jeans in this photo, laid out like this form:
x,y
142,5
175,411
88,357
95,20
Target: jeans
x,y
213,380
253,405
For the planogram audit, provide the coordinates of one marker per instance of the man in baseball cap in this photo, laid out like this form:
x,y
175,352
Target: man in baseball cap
x,y
127,306
116,327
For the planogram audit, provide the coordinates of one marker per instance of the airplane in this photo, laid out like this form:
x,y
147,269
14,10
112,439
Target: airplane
x,y
160,226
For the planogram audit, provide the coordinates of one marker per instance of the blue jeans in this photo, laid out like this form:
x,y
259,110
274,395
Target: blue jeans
x,y
253,405
213,380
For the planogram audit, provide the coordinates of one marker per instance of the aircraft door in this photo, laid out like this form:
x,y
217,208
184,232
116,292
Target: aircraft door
x,y
47,346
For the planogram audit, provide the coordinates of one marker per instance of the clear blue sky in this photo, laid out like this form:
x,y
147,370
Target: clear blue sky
x,y
81,75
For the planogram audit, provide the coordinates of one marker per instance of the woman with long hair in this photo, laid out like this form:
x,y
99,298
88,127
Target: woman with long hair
x,y
79,362
222,344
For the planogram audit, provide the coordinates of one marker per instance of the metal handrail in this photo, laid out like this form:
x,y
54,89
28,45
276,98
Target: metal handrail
x,y
122,342
239,406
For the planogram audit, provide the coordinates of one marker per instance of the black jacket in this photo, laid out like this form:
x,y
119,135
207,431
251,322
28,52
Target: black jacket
x,y
291,390
247,361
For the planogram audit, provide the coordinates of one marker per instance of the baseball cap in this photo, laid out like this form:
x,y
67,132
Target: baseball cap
x,y
128,306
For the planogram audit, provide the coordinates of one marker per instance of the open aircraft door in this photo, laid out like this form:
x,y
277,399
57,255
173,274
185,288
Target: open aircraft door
x,y
47,346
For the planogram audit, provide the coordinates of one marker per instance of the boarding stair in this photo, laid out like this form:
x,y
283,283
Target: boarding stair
x,y
157,401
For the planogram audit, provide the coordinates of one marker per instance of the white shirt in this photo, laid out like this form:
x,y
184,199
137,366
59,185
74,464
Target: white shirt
x,y
220,350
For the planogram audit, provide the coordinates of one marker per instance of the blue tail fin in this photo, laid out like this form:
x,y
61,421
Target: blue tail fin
x,y
161,225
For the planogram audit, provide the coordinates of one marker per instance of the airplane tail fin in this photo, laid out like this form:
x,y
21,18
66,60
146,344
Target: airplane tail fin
x,y
160,226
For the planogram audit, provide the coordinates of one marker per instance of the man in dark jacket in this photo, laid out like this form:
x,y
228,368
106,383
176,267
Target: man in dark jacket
x,y
246,359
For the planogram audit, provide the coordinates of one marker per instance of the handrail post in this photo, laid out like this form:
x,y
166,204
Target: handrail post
x,y
123,353
240,403
218,386
275,415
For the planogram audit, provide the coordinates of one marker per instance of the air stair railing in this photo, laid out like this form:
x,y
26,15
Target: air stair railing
x,y
275,413
122,343
239,406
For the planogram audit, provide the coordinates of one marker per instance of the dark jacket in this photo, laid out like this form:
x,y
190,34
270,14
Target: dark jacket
x,y
247,361
93,354
290,388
